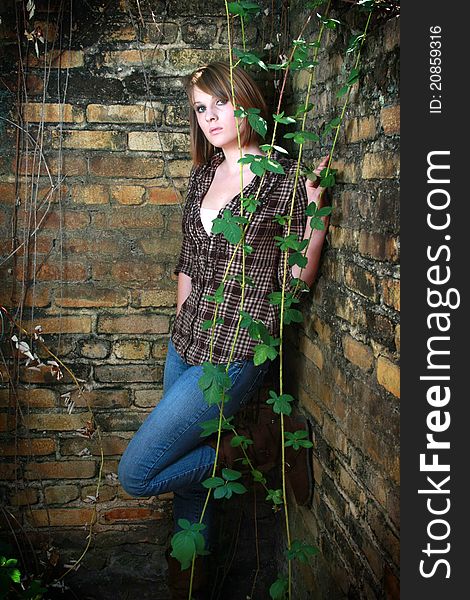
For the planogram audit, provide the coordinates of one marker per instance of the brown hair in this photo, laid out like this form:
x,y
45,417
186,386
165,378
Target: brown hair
x,y
214,79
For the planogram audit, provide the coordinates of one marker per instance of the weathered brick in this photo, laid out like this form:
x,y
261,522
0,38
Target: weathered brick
x,y
160,349
145,273
129,373
348,171
311,406
65,469
90,194
349,310
182,61
80,245
61,494
121,113
106,493
23,497
380,165
148,398
132,349
87,296
361,281
130,218
57,59
126,166
147,57
52,113
150,141
378,246
64,324
110,444
391,37
27,447
128,194
103,399
158,195
342,237
364,128
312,351
180,168
391,292
56,422
89,140
334,436
358,353
122,515
135,324
95,348
388,375
121,421
61,517
33,398
38,296
390,119
397,338
154,298
67,219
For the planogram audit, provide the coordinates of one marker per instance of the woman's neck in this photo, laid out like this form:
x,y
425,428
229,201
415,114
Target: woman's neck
x,y
232,156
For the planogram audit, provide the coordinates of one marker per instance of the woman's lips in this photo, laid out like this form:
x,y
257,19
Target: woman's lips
x,y
215,130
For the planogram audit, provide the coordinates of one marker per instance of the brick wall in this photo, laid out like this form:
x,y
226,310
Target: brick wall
x,y
344,358
111,114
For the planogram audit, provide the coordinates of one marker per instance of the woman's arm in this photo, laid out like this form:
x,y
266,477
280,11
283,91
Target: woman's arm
x,y
318,195
184,289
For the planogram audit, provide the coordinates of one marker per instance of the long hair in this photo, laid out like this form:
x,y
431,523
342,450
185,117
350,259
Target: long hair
x,y
214,79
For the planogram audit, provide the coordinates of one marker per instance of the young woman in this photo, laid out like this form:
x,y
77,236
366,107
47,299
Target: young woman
x,y
167,453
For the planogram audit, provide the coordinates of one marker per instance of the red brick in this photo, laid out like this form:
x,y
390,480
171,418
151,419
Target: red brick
x,y
9,471
68,271
134,324
103,399
131,514
128,194
106,493
163,196
66,469
27,447
62,517
24,497
38,296
88,296
90,194
67,219
126,166
88,245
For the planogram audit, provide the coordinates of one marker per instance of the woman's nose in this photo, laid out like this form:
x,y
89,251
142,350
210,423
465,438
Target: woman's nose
x,y
210,116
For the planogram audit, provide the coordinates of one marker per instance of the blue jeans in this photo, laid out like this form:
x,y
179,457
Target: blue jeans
x,y
167,453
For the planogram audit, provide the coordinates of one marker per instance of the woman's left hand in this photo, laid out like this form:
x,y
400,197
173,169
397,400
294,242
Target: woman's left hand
x,y
314,192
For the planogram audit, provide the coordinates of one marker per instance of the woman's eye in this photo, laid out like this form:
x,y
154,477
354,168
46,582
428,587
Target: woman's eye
x,y
200,109
220,101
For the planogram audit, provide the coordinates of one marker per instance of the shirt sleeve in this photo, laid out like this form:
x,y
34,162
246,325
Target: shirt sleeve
x,y
298,222
185,261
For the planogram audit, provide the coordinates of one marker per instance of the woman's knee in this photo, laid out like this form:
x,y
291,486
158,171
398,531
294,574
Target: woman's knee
x,y
129,478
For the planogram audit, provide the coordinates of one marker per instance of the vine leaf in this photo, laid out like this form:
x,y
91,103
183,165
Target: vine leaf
x,y
280,118
218,296
278,589
208,323
275,496
229,226
301,551
244,9
212,426
214,382
249,58
281,404
297,439
188,542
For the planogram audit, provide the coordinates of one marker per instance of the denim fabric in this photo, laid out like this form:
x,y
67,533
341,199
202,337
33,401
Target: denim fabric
x,y
167,453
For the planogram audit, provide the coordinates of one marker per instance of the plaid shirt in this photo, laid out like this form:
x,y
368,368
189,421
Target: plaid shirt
x,y
205,258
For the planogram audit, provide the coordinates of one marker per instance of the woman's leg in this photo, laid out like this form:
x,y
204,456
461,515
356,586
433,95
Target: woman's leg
x,y
167,453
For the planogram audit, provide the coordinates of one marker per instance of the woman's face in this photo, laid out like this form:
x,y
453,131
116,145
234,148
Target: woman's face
x,y
216,119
